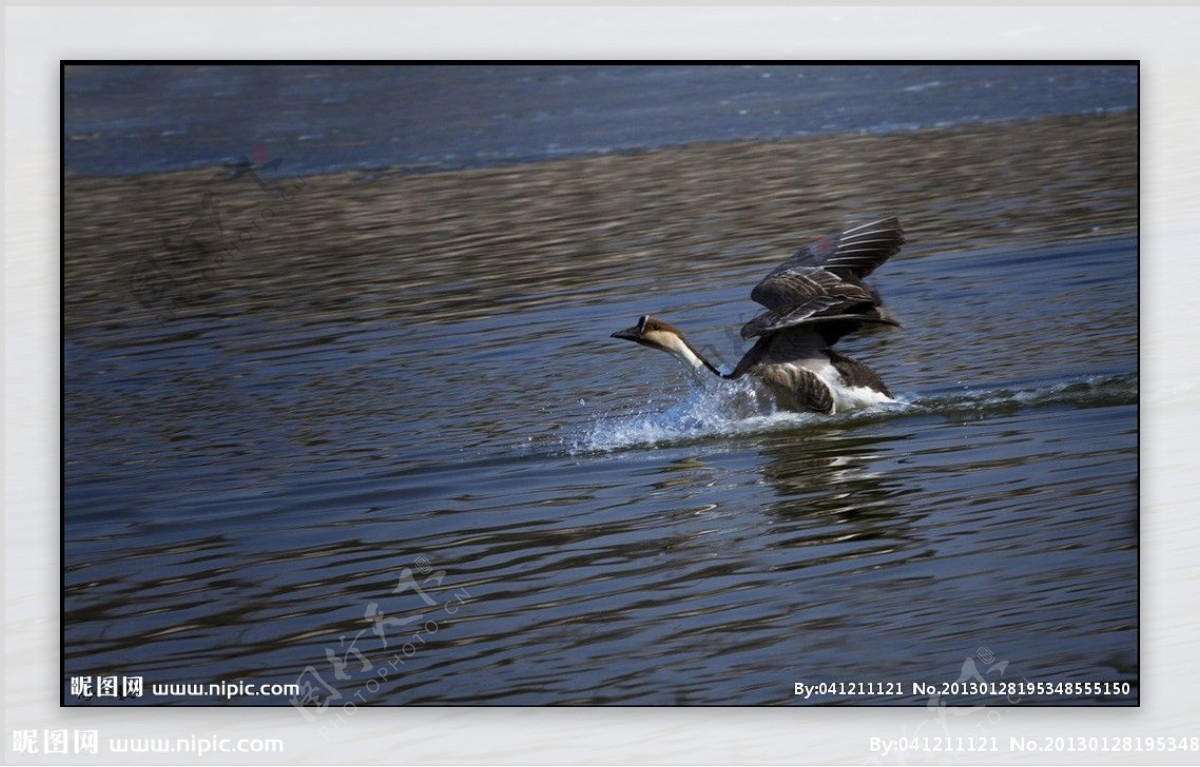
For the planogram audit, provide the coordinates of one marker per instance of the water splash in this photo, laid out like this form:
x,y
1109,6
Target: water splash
x,y
711,409
724,409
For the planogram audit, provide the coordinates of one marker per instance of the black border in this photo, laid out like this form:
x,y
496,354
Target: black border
x,y
62,176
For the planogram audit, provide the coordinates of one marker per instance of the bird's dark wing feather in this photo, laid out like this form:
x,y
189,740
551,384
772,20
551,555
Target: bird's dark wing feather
x,y
804,294
854,373
853,252
823,281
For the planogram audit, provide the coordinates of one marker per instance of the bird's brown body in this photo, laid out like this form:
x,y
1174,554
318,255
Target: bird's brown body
x,y
811,300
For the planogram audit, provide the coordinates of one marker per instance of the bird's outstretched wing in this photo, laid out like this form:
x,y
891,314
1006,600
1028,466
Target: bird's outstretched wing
x,y
854,252
822,283
805,294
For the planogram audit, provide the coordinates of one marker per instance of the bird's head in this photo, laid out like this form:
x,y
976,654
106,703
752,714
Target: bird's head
x,y
658,334
652,332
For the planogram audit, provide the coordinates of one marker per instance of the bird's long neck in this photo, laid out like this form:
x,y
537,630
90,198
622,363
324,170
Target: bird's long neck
x,y
678,346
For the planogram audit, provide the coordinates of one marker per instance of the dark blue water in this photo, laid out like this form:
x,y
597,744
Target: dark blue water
x,y
380,443
420,118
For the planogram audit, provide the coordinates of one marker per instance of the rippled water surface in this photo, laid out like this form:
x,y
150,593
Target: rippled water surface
x,y
378,441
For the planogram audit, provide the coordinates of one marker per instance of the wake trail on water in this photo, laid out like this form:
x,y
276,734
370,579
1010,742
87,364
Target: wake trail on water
x,y
715,410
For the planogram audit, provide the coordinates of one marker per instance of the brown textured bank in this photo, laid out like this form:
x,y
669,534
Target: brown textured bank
x,y
446,245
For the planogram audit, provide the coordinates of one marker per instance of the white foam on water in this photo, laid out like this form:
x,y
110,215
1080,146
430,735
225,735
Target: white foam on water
x,y
717,409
